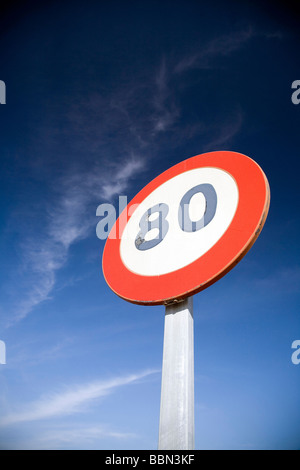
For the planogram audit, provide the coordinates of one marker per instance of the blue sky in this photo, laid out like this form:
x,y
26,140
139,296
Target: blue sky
x,y
101,97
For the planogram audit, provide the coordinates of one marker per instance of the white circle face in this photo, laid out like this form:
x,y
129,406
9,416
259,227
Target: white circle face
x,y
177,241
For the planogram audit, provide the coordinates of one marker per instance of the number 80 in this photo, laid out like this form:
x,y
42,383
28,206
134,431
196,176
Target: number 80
x,y
184,220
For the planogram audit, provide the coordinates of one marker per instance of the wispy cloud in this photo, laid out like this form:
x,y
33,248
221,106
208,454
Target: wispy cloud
x,y
69,217
224,134
221,46
22,353
286,279
118,183
79,437
165,110
71,400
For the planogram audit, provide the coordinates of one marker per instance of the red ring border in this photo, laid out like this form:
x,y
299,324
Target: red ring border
x,y
247,223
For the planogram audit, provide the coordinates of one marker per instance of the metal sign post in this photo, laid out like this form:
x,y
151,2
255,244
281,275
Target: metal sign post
x,y
176,427
186,229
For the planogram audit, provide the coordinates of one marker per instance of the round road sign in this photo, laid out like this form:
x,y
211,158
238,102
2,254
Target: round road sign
x,y
187,228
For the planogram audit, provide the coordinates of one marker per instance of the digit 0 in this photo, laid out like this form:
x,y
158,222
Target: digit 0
x,y
186,224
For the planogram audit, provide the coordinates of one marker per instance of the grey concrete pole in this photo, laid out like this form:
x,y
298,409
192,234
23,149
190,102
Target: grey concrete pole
x,y
176,427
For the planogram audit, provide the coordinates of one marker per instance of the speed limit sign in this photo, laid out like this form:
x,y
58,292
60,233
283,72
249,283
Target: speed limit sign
x,y
187,228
